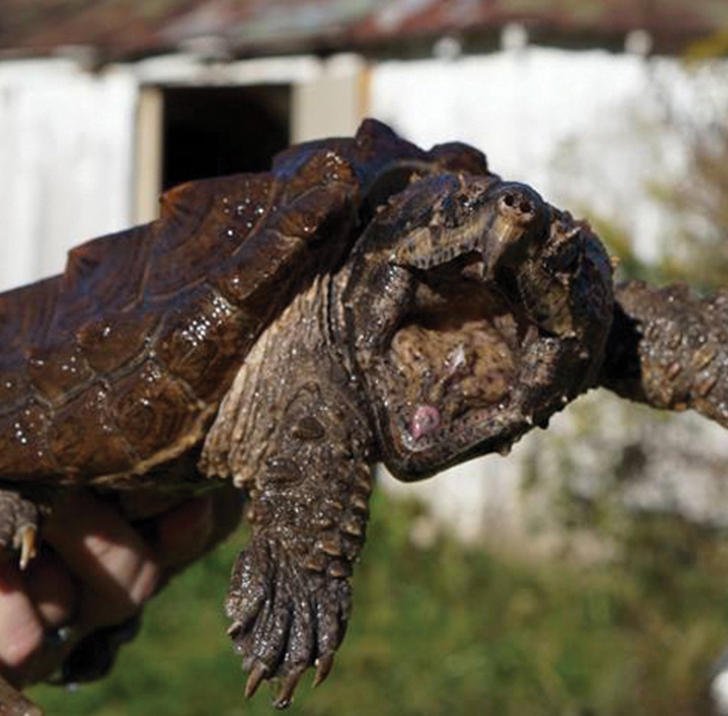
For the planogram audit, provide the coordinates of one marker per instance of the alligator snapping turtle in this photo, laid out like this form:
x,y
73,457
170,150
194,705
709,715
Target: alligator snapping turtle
x,y
363,301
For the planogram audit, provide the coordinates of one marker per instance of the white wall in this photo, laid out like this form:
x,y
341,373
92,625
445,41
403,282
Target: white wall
x,y
66,153
68,141
582,127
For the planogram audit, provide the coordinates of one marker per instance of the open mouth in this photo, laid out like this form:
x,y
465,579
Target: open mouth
x,y
485,311
457,356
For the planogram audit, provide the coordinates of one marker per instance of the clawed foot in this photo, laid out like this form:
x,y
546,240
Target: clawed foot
x,y
288,614
18,526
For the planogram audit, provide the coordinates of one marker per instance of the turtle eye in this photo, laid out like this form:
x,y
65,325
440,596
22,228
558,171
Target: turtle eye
x,y
564,261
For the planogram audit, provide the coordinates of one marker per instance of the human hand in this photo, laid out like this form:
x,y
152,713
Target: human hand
x,y
95,570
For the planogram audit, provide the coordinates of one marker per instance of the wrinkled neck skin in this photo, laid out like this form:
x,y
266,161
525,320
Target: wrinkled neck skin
x,y
293,388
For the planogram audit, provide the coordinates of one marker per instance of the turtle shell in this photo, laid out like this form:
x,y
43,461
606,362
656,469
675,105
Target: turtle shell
x,y
118,365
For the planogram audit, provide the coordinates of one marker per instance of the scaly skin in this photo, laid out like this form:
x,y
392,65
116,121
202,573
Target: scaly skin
x,y
420,351
111,373
466,258
668,348
116,367
293,433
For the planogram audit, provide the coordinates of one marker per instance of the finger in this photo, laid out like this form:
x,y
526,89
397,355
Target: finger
x,y
111,560
52,589
184,532
21,630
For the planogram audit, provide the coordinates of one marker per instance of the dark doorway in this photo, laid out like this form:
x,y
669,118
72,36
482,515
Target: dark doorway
x,y
212,131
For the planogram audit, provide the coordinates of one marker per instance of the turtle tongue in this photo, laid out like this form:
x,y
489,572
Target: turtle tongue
x,y
426,420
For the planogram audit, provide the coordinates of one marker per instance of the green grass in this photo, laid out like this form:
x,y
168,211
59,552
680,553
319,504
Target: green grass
x,y
451,630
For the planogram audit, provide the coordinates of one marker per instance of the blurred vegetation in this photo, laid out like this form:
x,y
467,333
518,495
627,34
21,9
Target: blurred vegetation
x,y
699,203
620,244
715,45
455,630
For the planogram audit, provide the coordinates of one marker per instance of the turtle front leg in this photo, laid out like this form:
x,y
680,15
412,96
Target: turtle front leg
x,y
290,596
18,534
18,526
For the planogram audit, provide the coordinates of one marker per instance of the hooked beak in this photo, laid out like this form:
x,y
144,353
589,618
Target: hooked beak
x,y
519,220
501,233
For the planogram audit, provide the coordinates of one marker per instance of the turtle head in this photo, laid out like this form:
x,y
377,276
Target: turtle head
x,y
485,223
473,311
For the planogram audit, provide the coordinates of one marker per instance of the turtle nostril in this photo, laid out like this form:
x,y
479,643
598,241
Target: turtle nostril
x,y
518,203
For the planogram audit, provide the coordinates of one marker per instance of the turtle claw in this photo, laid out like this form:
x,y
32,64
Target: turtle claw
x,y
18,526
285,617
28,544
323,668
285,695
234,629
257,675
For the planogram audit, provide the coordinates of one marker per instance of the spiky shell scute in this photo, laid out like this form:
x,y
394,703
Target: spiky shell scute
x,y
118,364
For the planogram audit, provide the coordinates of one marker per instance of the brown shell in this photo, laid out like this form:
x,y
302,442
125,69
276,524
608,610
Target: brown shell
x,y
118,364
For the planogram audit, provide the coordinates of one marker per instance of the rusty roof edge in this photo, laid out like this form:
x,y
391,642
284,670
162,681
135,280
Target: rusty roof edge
x,y
247,27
